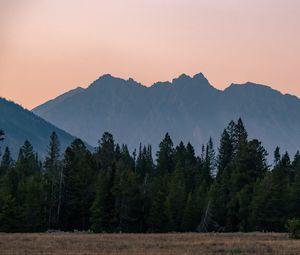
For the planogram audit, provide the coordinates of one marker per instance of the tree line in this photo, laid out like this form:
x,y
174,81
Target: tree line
x,y
111,190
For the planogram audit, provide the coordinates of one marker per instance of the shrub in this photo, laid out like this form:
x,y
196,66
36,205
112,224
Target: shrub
x,y
293,227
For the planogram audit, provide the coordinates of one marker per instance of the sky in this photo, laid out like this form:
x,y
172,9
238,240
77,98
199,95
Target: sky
x,y
48,47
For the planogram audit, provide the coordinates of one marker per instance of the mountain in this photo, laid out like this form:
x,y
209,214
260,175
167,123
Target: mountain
x,y
44,108
20,124
189,108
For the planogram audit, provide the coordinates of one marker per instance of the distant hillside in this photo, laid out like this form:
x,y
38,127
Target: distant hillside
x,y
20,124
189,108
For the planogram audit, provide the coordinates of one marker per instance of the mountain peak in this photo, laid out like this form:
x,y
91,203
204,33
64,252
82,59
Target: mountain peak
x,y
249,84
189,107
200,76
181,78
106,76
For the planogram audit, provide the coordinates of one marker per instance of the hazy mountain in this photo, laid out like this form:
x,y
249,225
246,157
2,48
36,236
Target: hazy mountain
x,y
189,108
52,103
20,124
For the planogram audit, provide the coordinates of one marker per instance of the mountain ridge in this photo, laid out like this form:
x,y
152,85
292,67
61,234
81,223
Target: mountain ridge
x,y
189,108
20,124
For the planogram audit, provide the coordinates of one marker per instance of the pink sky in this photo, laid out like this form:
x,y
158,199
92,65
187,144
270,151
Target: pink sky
x,y
50,46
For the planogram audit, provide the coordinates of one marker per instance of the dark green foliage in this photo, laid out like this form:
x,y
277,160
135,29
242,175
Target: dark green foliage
x,y
158,216
190,215
144,162
78,187
293,227
175,200
9,215
209,165
111,190
295,189
22,192
6,162
53,180
103,208
165,156
271,200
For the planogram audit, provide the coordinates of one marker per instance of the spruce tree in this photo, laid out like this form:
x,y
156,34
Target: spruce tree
x,y
1,138
190,218
165,156
103,208
225,155
53,182
6,162
78,187
105,155
175,200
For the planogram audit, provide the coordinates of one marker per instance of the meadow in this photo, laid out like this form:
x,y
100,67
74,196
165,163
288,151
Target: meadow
x,y
148,244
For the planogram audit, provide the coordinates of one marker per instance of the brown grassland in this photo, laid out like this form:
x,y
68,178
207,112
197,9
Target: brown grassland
x,y
146,244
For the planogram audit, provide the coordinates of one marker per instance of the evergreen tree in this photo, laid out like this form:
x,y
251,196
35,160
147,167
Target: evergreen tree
x,y
190,169
53,182
158,218
1,138
209,165
239,135
190,218
175,200
225,155
103,207
9,215
6,162
249,166
165,156
114,191
270,199
277,156
27,163
78,187
144,162
130,202
105,156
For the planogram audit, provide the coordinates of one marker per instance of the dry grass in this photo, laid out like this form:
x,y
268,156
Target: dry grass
x,y
147,244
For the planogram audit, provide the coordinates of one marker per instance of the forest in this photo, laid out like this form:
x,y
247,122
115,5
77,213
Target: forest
x,y
229,189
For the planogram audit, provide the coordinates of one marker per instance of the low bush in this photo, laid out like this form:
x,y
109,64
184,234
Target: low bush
x,y
293,227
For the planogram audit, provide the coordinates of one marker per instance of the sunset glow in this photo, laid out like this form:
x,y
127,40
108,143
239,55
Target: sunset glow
x,y
48,47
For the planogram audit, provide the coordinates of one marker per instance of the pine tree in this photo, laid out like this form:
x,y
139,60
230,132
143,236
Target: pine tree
x,y
277,156
130,202
225,155
103,207
175,200
144,162
1,138
221,189
9,214
53,182
6,162
105,155
249,166
270,200
78,187
190,218
165,156
158,218
209,165
27,163
239,135
190,169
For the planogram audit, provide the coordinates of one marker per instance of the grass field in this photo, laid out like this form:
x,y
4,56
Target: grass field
x,y
154,244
